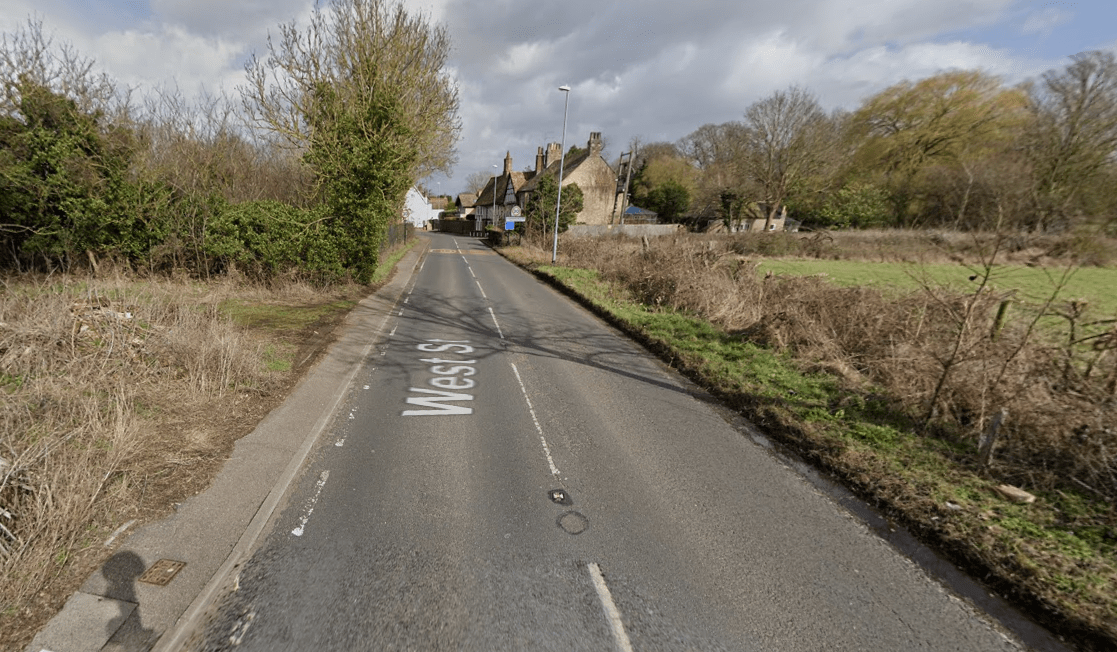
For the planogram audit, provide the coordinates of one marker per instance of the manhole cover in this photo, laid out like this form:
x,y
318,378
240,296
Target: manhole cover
x,y
573,522
162,572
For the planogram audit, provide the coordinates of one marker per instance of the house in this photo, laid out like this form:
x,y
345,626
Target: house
x,y
775,224
637,215
588,169
417,210
498,197
466,204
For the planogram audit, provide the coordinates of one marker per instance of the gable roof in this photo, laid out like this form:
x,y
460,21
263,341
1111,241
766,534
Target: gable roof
x,y
466,200
568,167
518,180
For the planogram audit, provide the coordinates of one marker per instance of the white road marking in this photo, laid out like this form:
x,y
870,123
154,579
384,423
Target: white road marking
x,y
538,428
408,299
394,330
298,531
339,443
118,531
471,273
611,613
496,322
483,295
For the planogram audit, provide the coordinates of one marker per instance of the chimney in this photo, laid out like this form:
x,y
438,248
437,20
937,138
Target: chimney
x,y
595,145
508,163
539,164
554,152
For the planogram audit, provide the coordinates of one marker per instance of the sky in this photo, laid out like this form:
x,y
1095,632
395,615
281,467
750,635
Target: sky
x,y
653,70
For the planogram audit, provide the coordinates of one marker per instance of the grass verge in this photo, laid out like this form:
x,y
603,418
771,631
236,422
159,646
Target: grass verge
x,y
121,397
1054,558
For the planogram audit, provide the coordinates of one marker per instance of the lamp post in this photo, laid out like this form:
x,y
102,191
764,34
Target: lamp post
x,y
562,160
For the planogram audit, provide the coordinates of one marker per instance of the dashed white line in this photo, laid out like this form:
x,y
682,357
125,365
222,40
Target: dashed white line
x,y
298,531
611,612
538,428
483,295
500,332
471,273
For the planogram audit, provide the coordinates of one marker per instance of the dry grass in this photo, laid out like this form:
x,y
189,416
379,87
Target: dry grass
x,y
911,379
925,247
118,398
1061,399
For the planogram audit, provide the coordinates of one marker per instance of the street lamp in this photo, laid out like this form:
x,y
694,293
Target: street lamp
x,y
562,161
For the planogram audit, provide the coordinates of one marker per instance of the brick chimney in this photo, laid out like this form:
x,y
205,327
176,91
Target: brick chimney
x,y
508,163
539,164
595,145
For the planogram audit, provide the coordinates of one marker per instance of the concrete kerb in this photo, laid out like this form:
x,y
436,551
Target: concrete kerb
x,y
259,472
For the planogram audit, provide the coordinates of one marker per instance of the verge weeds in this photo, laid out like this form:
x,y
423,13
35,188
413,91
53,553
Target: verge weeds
x,y
121,398
795,356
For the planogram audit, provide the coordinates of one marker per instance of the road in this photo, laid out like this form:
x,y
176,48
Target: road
x,y
508,473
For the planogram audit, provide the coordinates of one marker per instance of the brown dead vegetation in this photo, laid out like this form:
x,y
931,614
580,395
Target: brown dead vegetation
x,y
120,398
935,352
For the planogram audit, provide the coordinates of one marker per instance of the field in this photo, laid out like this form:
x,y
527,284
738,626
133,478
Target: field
x,y
1097,285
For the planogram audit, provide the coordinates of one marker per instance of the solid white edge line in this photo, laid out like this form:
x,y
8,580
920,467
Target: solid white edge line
x,y
538,428
611,613
500,332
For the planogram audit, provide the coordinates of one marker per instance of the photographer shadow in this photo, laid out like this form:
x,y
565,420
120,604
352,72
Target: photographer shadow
x,y
126,631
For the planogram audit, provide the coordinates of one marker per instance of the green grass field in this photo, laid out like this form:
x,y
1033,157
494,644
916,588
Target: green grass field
x,y
1096,285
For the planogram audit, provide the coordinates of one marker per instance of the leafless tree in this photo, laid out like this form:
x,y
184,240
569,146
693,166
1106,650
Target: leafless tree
x,y
1074,138
785,141
28,53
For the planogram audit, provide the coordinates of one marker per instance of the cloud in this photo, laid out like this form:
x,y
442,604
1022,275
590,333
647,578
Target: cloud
x,y
242,19
1044,21
171,55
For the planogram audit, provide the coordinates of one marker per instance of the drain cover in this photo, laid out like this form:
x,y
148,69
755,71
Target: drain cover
x,y
573,522
162,572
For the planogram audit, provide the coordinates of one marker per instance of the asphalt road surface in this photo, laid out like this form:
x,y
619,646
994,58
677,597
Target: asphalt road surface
x,y
508,473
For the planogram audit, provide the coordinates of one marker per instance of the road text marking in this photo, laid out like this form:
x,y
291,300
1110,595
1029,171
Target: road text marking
x,y
451,376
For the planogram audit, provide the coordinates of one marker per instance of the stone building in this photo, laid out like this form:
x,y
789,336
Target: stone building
x,y
588,169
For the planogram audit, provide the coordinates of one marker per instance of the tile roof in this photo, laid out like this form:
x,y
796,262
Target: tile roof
x,y
553,169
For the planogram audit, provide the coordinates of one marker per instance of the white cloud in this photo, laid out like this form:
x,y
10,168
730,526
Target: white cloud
x,y
237,19
150,58
1042,22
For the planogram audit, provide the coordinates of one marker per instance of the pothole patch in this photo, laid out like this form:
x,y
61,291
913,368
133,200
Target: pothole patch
x,y
573,522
